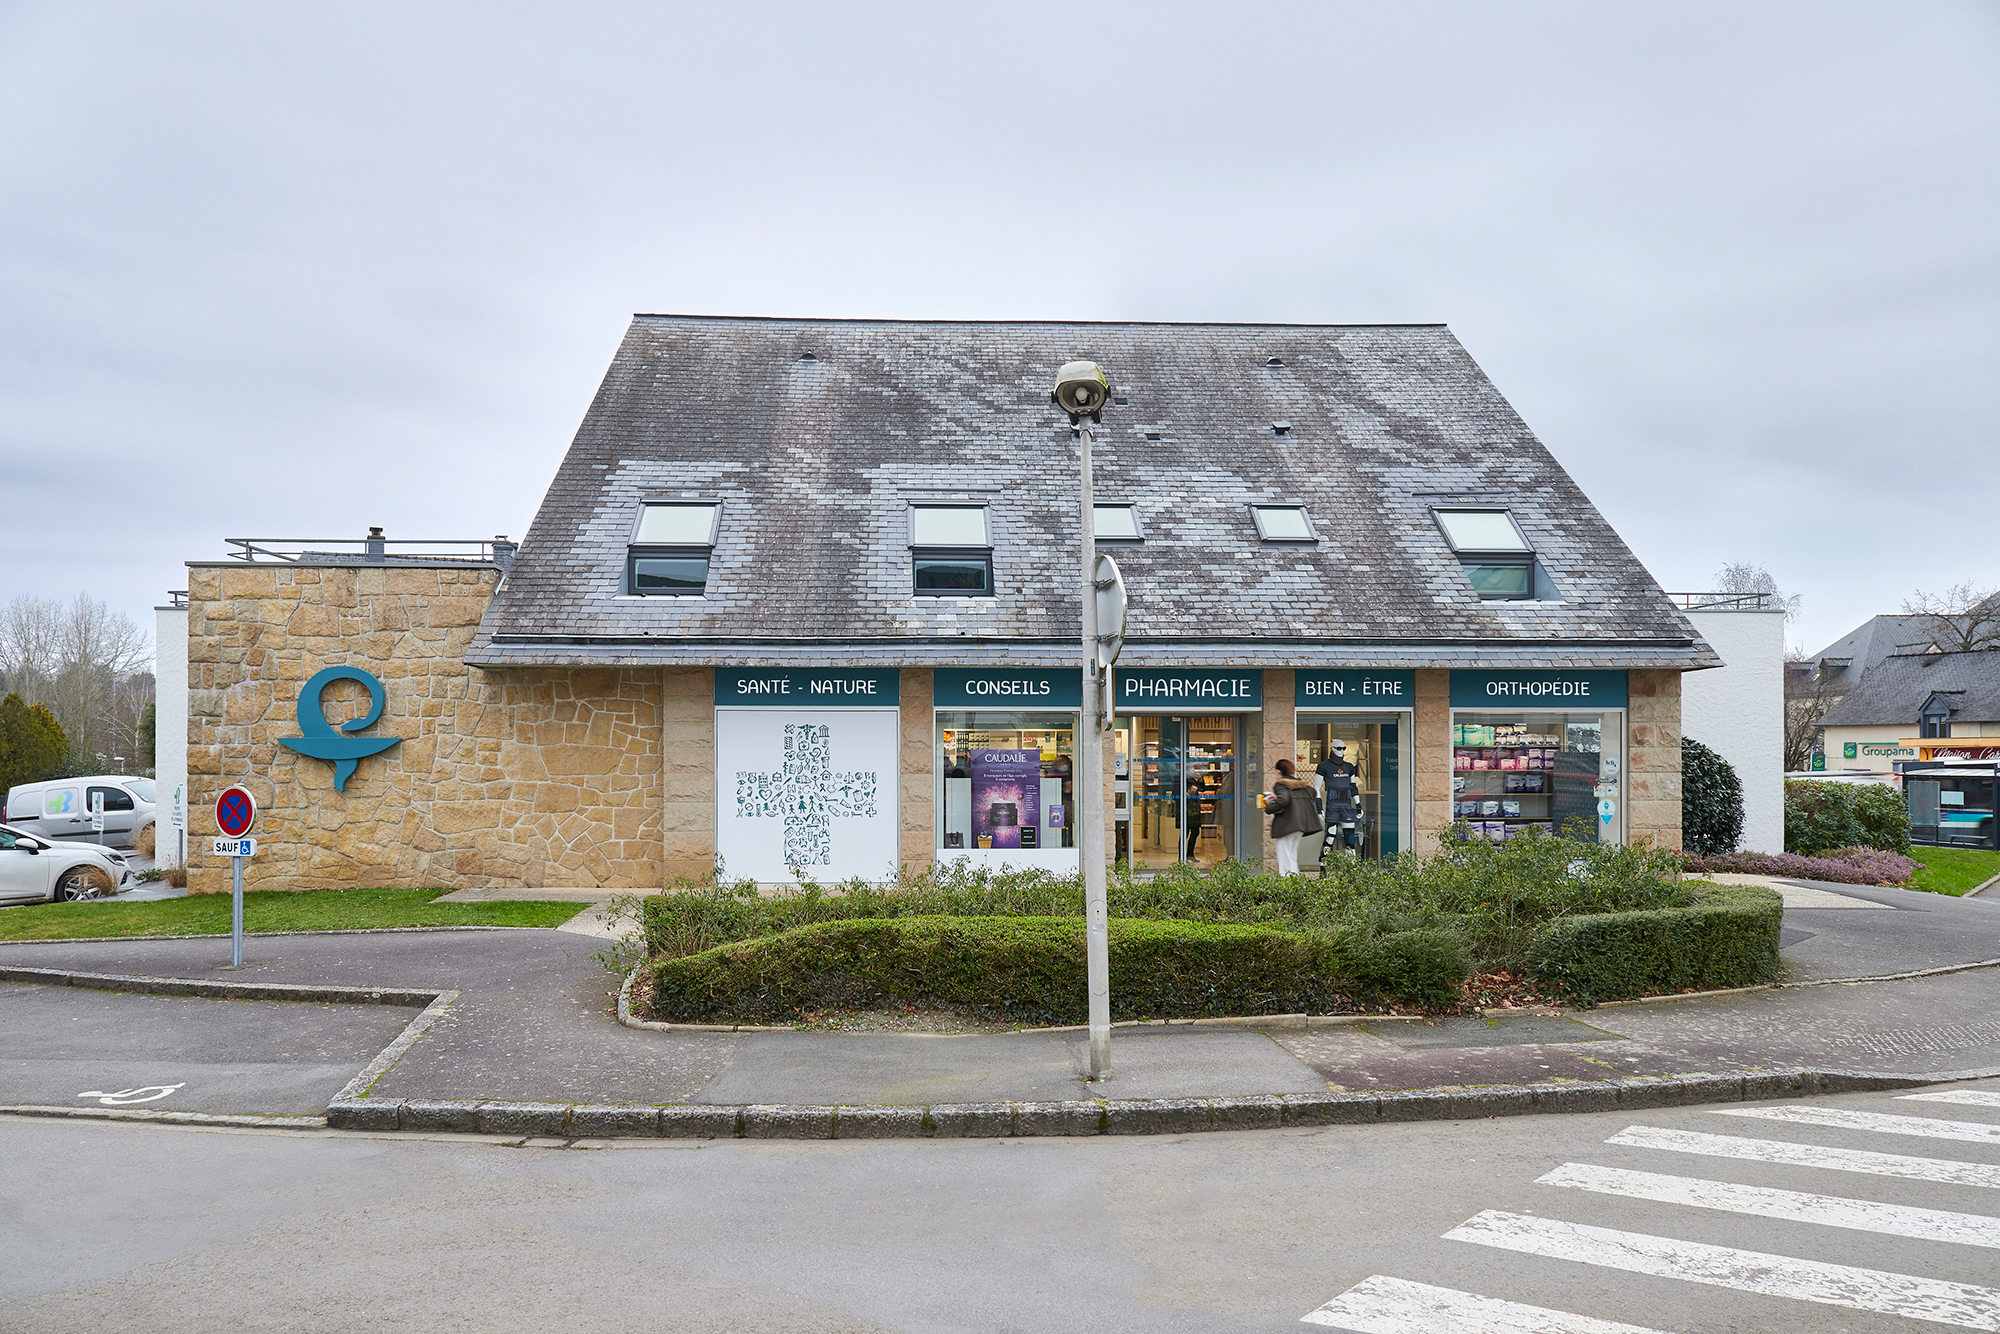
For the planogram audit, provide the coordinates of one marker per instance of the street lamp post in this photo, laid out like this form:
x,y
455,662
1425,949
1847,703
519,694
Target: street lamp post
x,y
1081,391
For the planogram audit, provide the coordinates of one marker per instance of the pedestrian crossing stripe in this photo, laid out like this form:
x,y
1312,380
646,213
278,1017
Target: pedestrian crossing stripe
x,y
1942,1170
1904,1295
1384,1305
1792,1206
1844,1118
1966,1097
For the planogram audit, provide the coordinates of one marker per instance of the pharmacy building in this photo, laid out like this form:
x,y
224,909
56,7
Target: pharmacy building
x,y
803,599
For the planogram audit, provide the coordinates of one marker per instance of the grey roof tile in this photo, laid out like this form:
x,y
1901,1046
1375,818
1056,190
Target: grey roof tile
x,y
815,463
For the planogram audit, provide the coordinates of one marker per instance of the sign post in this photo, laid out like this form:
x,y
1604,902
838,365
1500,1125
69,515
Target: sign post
x,y
97,814
235,812
179,819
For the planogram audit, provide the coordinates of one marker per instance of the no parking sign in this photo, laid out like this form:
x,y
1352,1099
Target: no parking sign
x,y
235,812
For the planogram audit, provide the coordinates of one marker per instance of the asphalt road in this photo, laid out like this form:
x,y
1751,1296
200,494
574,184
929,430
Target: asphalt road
x,y
1756,1223
535,1024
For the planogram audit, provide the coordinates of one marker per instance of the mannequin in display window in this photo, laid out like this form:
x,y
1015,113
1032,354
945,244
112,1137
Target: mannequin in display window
x,y
1343,796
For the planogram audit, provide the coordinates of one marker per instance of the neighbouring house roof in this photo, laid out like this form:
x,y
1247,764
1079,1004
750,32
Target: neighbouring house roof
x,y
1894,691
816,460
1847,659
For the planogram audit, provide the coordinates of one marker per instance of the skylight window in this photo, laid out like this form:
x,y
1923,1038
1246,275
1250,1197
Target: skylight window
x,y
1283,523
1481,530
670,547
677,525
948,526
951,551
1498,561
1116,523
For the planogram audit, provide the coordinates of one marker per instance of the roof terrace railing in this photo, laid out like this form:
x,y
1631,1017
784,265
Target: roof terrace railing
x,y
374,549
1725,601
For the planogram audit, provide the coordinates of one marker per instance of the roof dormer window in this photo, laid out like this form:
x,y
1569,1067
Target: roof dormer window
x,y
670,546
951,551
1116,523
1496,556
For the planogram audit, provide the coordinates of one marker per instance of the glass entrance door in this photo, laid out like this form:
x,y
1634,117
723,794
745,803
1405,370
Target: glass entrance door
x,y
1183,798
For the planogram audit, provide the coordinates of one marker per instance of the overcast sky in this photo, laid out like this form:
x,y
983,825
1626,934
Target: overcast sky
x,y
289,270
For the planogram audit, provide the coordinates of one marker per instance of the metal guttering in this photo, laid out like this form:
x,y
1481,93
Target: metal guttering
x,y
605,651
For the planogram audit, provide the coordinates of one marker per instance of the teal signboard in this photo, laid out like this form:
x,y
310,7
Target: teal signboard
x,y
1356,688
1580,691
1009,687
808,687
1188,690
322,742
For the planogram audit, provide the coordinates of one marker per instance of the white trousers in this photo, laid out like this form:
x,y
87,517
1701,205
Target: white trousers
x,y
1288,853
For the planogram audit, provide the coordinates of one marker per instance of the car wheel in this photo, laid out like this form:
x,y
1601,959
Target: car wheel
x,y
81,882
147,841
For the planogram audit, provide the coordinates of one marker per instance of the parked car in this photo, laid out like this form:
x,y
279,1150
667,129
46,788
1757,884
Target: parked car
x,y
59,809
36,868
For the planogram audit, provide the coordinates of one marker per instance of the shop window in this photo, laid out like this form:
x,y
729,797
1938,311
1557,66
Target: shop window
x,y
951,551
1498,561
1008,781
1553,772
1283,523
1116,523
670,549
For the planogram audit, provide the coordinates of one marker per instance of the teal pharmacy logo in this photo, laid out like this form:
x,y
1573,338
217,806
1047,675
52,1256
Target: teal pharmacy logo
x,y
322,742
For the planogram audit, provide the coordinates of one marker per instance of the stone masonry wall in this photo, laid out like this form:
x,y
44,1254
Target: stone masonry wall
x,y
1653,751
530,777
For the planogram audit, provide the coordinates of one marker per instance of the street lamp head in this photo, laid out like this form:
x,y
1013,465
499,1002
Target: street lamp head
x,y
1081,391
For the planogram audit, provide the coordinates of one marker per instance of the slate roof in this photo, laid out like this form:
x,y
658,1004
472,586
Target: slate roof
x,y
1865,646
815,462
1893,691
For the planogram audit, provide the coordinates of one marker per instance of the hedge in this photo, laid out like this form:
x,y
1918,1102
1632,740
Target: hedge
x,y
1727,937
1820,815
1031,970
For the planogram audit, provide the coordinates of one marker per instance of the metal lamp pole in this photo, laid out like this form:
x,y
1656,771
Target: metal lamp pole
x,y
1090,800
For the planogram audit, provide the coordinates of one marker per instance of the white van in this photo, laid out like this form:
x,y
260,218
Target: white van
x,y
59,810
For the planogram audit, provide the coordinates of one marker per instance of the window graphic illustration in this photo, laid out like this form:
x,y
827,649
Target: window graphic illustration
x,y
806,794
322,742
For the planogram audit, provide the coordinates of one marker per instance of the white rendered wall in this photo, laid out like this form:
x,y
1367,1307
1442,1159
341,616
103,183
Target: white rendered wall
x,y
1738,711
170,720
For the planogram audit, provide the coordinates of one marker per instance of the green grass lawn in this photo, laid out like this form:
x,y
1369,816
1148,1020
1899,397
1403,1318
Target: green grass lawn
x,y
1954,870
274,910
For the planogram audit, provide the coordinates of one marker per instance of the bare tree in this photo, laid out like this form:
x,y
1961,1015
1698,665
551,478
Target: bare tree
x,y
1809,693
79,660
1739,576
1961,619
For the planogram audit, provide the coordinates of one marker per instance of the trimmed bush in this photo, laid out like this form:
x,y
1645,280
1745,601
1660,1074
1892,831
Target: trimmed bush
x,y
1726,937
1031,970
1711,801
1823,815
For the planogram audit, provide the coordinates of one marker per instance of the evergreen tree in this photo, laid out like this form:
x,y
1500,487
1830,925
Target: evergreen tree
x,y
32,743
1711,801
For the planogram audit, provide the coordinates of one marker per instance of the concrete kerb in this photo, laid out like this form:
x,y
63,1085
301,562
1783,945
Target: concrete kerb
x,y
352,1108
1082,1118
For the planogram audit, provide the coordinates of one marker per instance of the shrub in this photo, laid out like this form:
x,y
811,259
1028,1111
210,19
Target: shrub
x,y
1821,815
1491,896
1727,936
1846,866
1031,970
1711,801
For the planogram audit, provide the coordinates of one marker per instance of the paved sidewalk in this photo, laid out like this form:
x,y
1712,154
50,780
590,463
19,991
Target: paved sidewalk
x,y
536,1023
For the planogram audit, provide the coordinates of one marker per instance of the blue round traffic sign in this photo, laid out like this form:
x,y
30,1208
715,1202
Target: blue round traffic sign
x,y
235,812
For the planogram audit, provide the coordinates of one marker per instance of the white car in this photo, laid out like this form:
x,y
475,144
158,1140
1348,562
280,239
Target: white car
x,y
59,809
33,868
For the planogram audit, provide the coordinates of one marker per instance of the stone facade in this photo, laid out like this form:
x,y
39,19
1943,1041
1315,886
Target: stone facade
x,y
525,776
1653,754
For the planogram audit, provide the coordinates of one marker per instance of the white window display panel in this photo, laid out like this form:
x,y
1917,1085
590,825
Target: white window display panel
x,y
806,792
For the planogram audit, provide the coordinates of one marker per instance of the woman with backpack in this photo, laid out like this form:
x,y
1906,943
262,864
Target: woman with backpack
x,y
1294,810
